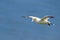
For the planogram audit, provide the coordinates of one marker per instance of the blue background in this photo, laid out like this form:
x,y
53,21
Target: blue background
x,y
14,27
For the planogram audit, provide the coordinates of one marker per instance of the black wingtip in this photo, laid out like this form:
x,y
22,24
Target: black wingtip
x,y
50,16
49,24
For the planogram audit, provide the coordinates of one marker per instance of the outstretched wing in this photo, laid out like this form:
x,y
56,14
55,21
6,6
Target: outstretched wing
x,y
47,17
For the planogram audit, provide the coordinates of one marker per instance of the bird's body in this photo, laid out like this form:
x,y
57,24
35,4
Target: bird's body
x,y
43,20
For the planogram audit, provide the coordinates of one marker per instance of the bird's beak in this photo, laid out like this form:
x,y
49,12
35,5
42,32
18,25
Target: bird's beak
x,y
25,16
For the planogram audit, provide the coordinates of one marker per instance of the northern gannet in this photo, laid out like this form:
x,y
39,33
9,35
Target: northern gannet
x,y
43,20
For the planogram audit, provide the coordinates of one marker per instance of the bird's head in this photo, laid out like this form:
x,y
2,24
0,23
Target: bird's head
x,y
32,17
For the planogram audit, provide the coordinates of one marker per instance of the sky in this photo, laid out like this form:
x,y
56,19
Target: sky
x,y
14,27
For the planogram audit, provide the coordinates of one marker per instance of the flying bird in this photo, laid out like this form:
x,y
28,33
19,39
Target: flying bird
x,y
43,20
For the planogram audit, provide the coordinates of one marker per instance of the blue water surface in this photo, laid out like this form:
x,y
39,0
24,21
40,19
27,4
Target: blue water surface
x,y
14,27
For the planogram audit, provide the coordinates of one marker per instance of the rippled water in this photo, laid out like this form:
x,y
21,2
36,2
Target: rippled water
x,y
14,27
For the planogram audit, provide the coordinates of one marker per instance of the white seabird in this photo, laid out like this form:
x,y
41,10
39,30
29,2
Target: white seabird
x,y
43,20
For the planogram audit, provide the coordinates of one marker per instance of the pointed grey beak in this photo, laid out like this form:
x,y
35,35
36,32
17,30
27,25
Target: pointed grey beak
x,y
25,16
